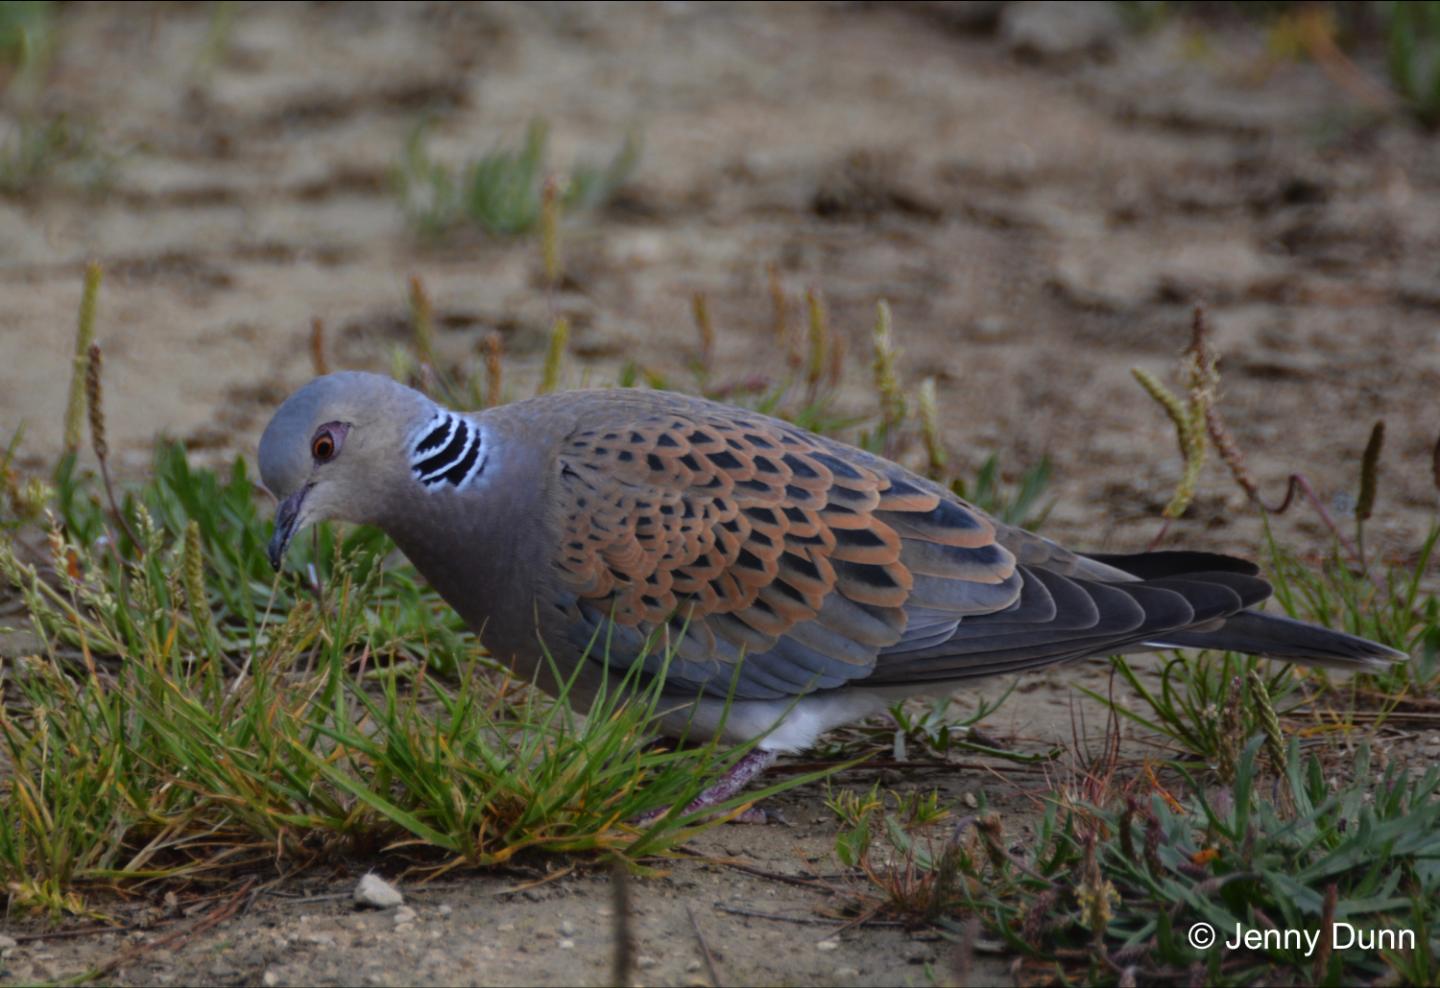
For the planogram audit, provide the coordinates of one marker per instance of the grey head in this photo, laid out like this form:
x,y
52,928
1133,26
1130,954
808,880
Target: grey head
x,y
336,449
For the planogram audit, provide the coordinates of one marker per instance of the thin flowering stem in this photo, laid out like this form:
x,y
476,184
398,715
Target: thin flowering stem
x,y
94,396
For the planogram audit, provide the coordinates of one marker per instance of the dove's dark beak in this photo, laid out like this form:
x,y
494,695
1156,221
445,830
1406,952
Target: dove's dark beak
x,y
287,522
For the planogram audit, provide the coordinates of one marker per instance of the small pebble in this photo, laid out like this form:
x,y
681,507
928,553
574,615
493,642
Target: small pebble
x,y
567,928
828,945
991,326
8,943
377,893
566,944
270,977
645,962
404,915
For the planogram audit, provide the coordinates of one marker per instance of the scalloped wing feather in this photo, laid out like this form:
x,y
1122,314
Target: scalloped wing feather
x,y
762,541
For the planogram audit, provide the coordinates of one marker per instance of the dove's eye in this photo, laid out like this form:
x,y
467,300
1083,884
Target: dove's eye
x,y
327,442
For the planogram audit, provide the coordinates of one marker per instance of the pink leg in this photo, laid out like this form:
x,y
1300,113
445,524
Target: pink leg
x,y
730,784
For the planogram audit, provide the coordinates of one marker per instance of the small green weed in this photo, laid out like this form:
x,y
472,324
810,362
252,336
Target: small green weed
x,y
1412,34
1017,504
934,728
502,192
54,151
892,839
1205,706
27,40
1394,604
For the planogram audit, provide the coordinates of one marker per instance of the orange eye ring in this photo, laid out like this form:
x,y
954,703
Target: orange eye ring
x,y
322,447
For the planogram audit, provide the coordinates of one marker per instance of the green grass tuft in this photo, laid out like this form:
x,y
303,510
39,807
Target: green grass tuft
x,y
503,191
1412,34
50,152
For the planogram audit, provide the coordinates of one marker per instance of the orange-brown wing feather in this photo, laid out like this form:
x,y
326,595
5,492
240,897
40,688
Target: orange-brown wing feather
x,y
762,540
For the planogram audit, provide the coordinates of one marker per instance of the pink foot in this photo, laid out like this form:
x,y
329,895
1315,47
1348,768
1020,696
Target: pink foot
x,y
729,785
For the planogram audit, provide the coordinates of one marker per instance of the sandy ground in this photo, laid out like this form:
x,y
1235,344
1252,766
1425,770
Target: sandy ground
x,y
1041,200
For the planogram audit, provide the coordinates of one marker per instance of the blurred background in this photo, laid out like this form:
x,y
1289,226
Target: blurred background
x,y
1041,191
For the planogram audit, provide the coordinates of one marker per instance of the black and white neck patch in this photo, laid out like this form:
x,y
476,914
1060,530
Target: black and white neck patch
x,y
448,450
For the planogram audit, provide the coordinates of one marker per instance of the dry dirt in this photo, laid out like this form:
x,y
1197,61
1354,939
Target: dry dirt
x,y
1041,200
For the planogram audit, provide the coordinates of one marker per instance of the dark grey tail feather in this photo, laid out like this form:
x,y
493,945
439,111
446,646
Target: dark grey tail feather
x,y
1174,562
1285,638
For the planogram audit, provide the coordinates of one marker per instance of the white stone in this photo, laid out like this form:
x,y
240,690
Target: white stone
x,y
377,893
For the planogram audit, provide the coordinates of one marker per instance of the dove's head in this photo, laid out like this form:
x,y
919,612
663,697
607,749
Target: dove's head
x,y
333,450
